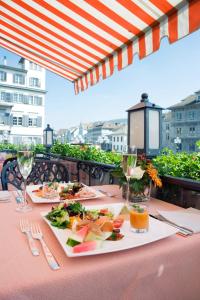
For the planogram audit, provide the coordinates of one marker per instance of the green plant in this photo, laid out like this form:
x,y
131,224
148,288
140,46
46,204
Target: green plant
x,y
84,152
181,164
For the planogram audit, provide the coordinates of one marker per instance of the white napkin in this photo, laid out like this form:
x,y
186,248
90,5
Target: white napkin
x,y
186,219
4,196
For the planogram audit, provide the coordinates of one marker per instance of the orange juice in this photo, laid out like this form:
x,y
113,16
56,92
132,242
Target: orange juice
x,y
139,219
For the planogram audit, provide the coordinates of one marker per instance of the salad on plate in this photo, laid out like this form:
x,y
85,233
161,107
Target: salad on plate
x,y
89,228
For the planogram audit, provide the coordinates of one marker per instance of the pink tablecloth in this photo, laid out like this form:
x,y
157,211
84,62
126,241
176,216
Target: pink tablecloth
x,y
167,269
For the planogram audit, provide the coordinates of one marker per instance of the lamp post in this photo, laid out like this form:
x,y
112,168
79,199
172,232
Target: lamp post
x,y
177,142
48,137
145,127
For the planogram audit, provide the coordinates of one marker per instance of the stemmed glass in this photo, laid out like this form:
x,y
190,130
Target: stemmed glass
x,y
129,160
25,163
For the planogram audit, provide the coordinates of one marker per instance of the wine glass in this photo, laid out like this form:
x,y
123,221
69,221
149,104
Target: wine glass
x,y
25,163
129,160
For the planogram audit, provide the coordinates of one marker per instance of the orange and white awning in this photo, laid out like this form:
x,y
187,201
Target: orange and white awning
x,y
83,40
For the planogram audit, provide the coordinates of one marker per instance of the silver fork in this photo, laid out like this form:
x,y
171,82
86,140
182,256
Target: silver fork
x,y
25,228
37,234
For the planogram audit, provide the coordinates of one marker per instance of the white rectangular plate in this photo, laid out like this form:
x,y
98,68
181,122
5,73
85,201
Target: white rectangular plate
x,y
36,199
157,230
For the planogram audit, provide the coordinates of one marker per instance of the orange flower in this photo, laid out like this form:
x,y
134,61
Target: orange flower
x,y
153,174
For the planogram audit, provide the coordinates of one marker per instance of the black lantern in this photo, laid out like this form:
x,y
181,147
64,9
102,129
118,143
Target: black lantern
x,y
144,127
48,137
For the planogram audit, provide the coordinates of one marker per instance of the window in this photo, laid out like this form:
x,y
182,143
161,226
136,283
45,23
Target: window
x,y
3,76
33,81
114,139
167,136
14,120
34,66
117,141
121,147
37,100
167,126
21,96
121,139
178,116
191,115
17,121
192,130
192,147
15,97
3,96
178,130
18,78
32,122
30,100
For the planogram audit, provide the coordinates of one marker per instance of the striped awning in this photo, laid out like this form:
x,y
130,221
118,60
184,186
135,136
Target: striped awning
x,y
83,40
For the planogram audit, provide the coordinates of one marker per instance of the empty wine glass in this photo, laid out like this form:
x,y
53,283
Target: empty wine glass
x,y
25,163
129,160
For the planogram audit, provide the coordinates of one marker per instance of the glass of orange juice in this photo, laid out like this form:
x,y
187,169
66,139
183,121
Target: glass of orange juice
x,y
139,218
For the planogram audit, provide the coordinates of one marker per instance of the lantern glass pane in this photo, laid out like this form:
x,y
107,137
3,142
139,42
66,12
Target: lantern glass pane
x,y
137,129
49,138
154,129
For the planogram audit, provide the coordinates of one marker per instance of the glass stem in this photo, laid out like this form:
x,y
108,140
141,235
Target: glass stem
x,y
25,196
127,191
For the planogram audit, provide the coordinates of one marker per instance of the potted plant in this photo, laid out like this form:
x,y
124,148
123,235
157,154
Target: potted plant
x,y
144,175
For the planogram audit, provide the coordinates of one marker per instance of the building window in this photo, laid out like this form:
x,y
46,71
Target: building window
x,y
3,76
192,147
114,139
15,97
30,100
167,126
121,139
121,147
32,122
178,116
17,121
37,100
34,66
35,82
192,130
18,78
117,141
21,98
191,115
178,130
167,136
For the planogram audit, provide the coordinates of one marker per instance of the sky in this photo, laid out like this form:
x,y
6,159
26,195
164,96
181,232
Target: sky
x,y
168,76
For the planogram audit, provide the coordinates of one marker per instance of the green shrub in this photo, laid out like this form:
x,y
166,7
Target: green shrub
x,y
86,153
181,164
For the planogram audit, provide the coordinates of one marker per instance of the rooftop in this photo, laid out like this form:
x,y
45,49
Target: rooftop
x,y
192,99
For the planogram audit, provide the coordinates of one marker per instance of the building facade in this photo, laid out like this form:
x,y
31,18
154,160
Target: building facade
x,y
119,139
22,102
181,127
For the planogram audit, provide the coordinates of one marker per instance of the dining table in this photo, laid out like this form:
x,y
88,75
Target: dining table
x,y
164,269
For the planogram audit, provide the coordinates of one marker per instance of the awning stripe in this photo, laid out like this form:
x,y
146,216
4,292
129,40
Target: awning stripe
x,y
50,66
85,40
44,30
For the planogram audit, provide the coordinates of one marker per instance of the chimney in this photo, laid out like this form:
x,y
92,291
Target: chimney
x,y
4,61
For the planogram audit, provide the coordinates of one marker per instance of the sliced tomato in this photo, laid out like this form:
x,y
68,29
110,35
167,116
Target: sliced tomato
x,y
117,223
104,211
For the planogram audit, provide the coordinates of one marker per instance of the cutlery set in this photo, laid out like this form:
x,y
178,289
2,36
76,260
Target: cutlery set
x,y
33,232
181,230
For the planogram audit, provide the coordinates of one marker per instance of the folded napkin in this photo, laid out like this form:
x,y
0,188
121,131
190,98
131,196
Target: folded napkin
x,y
4,196
185,219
